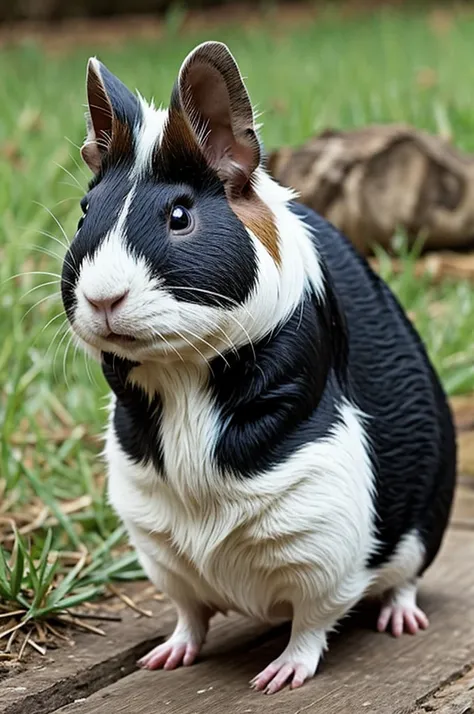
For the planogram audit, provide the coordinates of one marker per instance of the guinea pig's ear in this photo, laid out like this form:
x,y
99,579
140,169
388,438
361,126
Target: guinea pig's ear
x,y
211,93
113,111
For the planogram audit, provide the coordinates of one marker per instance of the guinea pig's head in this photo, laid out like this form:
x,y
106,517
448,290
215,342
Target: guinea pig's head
x,y
166,258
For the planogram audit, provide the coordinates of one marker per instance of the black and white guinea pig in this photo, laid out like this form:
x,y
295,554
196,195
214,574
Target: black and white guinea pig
x,y
279,443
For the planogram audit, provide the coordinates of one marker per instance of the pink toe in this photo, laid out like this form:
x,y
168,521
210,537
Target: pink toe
x,y
397,623
280,679
421,619
176,657
261,680
384,618
190,655
411,625
300,676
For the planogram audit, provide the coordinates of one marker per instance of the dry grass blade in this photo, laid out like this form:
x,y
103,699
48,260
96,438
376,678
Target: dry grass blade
x,y
41,632
37,523
36,646
99,616
70,620
12,629
62,414
128,601
11,640
23,645
13,613
58,634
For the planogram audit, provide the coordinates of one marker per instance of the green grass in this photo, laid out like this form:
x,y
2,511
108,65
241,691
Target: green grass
x,y
332,72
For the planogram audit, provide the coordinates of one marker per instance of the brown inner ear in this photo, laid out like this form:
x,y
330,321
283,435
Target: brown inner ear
x,y
100,111
224,142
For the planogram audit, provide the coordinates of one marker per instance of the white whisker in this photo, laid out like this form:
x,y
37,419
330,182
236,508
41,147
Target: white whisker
x,y
39,302
214,294
53,237
88,369
78,165
208,344
58,223
229,342
52,254
65,360
37,287
194,348
56,353
71,175
56,334
60,314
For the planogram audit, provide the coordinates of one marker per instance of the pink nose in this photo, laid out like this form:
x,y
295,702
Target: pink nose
x,y
108,305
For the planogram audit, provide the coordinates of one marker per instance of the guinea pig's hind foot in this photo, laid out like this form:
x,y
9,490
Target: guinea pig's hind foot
x,y
400,612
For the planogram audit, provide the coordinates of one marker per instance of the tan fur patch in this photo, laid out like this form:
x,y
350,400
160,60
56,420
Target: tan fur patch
x,y
258,218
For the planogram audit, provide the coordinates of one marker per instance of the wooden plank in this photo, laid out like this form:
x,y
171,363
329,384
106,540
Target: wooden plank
x,y
73,672
455,698
364,673
463,512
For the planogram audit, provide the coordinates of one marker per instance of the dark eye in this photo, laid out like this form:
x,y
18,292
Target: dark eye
x,y
84,206
181,220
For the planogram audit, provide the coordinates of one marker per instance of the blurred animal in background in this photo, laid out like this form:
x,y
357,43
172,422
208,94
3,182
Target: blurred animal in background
x,y
370,182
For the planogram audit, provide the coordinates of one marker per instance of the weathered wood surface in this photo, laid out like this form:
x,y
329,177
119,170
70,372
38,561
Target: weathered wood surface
x,y
73,672
364,672
463,513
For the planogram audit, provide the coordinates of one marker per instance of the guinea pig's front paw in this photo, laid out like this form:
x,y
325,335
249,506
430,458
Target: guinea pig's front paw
x,y
170,654
282,670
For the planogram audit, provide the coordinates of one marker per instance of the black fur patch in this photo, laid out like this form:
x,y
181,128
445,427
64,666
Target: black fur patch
x,y
215,265
391,379
285,392
136,418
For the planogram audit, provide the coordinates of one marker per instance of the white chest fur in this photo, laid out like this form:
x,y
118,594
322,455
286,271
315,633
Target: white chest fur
x,y
244,543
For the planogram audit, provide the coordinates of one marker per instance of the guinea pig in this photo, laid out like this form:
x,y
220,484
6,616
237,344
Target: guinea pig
x,y
279,444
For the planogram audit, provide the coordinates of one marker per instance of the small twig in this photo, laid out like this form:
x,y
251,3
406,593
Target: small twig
x,y
159,597
37,523
12,629
41,632
57,634
23,645
11,613
128,601
35,645
6,655
11,640
87,616
61,413
81,625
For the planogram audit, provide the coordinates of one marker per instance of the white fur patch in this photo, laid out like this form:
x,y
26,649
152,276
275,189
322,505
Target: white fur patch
x,y
297,535
402,567
147,136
